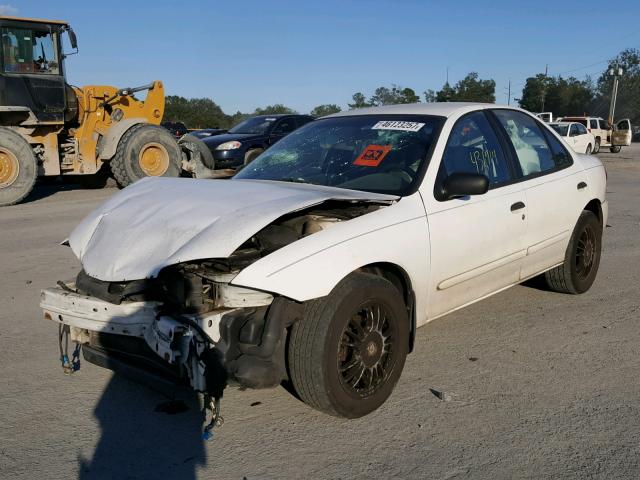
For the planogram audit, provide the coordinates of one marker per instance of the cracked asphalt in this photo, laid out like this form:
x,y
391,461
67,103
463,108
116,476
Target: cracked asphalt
x,y
534,384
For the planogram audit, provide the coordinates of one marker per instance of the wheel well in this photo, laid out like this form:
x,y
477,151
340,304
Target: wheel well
x,y
400,279
595,207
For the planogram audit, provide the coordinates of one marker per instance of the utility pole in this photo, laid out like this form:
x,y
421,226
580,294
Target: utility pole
x,y
509,94
616,73
544,87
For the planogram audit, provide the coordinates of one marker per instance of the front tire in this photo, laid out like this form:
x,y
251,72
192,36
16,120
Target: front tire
x,y
582,258
146,151
596,146
347,353
588,150
18,168
615,149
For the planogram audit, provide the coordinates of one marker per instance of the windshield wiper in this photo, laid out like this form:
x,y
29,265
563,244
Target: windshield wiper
x,y
292,180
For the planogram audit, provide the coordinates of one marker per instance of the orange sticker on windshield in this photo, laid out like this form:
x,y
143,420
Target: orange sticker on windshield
x,y
372,155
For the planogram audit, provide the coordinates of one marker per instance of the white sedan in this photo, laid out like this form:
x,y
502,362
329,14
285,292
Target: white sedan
x,y
576,136
318,261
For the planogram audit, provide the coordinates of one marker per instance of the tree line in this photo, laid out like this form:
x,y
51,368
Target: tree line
x,y
562,96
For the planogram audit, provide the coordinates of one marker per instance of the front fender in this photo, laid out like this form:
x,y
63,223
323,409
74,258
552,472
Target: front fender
x,y
109,143
313,266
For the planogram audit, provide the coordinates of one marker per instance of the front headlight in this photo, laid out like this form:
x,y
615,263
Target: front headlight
x,y
229,145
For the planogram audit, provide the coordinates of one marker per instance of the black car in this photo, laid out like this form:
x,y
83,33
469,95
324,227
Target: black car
x,y
207,132
177,129
244,142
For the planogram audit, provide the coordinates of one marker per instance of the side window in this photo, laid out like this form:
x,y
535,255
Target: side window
x,y
285,126
303,121
473,147
561,156
593,123
27,51
603,124
532,150
574,131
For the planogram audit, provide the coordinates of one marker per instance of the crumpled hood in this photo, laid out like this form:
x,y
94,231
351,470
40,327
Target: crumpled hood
x,y
158,222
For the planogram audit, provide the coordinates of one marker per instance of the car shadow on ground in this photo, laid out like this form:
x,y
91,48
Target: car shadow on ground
x,y
537,283
145,434
50,186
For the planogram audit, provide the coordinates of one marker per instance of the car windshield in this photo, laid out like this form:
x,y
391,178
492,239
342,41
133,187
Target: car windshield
x,y
254,126
376,153
561,129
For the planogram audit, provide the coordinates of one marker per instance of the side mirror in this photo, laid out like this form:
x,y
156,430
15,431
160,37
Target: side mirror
x,y
73,39
464,184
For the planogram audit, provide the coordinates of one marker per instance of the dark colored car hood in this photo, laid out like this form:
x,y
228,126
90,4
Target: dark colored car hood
x,y
214,141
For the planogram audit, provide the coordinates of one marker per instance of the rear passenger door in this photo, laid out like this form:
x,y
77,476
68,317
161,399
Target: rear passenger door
x,y
477,242
555,189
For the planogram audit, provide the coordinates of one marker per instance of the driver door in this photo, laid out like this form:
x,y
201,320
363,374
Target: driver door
x,y
477,242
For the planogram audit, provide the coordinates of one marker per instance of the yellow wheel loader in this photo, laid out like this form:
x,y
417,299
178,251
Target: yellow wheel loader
x,y
49,128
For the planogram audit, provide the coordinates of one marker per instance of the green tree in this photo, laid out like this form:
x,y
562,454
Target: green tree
x,y
394,95
628,101
194,112
275,109
561,96
534,93
326,109
359,101
470,89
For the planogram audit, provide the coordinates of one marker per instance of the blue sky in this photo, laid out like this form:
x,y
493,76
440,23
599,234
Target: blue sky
x,y
246,54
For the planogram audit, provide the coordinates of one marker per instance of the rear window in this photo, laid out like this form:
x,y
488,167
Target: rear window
x,y
593,123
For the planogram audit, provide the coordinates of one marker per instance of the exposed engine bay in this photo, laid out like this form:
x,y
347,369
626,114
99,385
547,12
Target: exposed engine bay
x,y
189,325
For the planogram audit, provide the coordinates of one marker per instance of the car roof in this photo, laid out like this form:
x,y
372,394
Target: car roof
x,y
279,115
561,123
442,109
582,118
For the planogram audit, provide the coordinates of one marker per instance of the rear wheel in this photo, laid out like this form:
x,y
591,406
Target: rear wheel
x,y
18,167
347,353
596,146
146,151
588,150
615,149
582,258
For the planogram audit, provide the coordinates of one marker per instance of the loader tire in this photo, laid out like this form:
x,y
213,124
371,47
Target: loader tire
x,y
18,168
145,151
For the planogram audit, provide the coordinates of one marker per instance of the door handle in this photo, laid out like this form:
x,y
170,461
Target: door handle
x,y
582,185
517,206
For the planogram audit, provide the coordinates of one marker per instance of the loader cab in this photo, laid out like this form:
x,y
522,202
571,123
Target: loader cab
x,y
32,75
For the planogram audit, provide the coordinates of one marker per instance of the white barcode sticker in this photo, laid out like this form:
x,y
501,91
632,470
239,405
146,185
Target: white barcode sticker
x,y
398,125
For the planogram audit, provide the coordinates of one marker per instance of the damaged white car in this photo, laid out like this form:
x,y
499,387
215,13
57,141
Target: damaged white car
x,y
317,262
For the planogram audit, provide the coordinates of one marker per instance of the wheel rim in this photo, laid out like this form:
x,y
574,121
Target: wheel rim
x,y
366,353
9,168
154,159
588,149
585,252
